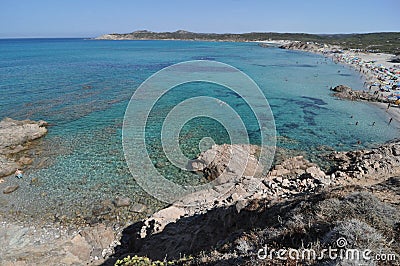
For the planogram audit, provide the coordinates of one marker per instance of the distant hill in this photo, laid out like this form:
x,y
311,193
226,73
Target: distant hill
x,y
387,42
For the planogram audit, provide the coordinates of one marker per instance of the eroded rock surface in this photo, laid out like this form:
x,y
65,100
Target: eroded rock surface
x,y
293,176
49,246
15,137
303,46
200,224
374,164
232,160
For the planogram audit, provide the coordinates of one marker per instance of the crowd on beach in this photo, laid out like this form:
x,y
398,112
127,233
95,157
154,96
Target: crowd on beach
x,y
380,71
380,79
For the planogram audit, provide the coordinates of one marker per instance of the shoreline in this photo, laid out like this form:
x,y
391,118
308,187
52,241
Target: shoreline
x,y
76,236
374,67
393,112
380,76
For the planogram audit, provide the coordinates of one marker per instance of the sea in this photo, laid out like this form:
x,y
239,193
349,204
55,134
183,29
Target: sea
x,y
82,88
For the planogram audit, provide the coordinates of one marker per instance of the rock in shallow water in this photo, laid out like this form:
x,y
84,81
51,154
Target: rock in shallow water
x,y
15,136
10,189
122,201
137,207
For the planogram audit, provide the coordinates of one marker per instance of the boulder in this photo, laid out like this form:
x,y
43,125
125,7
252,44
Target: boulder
x,y
80,248
138,207
7,167
396,150
122,201
395,59
342,88
10,189
16,137
16,132
233,160
25,161
315,172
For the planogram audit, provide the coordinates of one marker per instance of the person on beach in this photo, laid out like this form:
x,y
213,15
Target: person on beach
x,y
390,121
18,174
388,107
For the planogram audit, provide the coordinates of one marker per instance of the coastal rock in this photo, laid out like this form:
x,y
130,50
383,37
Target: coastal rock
x,y
16,136
14,132
293,176
10,189
122,201
375,163
342,88
396,150
138,207
232,160
25,160
395,59
345,92
172,230
43,245
7,167
304,46
315,172
80,248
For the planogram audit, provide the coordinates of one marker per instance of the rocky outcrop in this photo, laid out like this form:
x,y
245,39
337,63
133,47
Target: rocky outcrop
x,y
224,236
395,59
45,246
345,92
374,164
294,176
234,160
303,46
295,201
15,137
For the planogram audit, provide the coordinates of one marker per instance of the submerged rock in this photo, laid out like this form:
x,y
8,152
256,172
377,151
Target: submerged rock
x,y
122,201
10,189
137,207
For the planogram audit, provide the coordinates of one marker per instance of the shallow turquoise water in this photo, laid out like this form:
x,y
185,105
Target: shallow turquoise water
x,y
82,88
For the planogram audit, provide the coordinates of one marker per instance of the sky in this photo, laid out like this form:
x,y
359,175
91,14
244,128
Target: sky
x,y
90,18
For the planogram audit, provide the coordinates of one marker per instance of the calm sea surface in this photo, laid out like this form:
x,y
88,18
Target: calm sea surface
x,y
82,88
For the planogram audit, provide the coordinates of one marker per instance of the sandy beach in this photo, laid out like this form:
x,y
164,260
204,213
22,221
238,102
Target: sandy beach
x,y
381,74
393,112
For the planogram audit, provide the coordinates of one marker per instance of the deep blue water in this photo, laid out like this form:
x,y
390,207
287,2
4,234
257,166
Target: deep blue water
x,y
82,87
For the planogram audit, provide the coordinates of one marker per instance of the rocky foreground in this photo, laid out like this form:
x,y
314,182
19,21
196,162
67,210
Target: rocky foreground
x,y
296,205
16,137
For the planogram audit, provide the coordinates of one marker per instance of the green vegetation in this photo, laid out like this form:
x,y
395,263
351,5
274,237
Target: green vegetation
x,y
387,42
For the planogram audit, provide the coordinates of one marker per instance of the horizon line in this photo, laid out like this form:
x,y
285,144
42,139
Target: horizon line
x,y
87,37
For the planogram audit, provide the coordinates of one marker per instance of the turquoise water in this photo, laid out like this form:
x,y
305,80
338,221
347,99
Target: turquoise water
x,y
82,88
